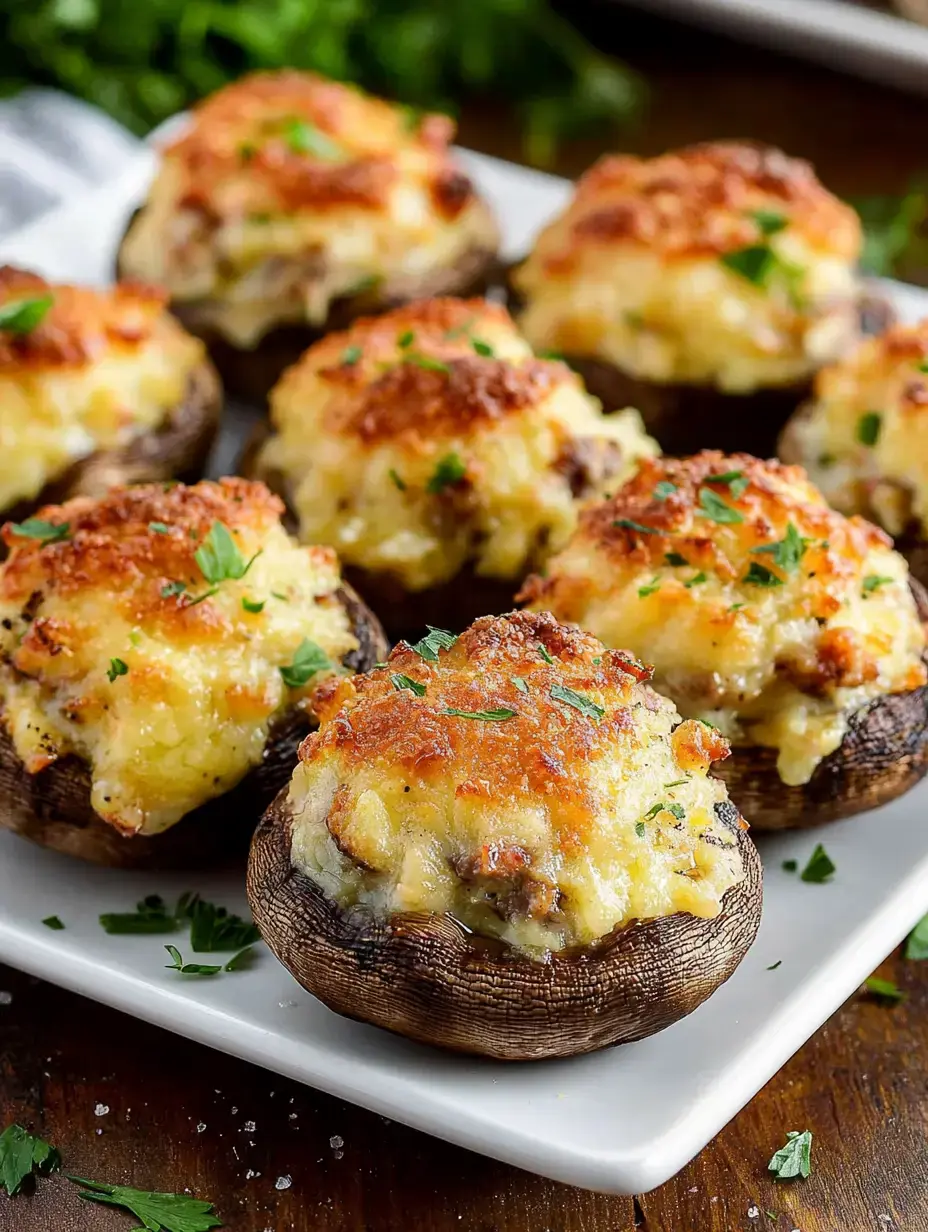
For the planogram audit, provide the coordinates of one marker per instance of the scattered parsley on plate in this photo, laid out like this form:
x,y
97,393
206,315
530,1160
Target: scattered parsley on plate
x,y
820,867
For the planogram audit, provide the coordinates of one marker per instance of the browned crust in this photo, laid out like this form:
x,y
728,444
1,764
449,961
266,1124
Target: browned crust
x,y
425,977
178,449
883,755
52,808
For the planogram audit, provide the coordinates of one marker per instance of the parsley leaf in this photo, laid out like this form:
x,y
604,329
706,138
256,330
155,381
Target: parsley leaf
x,y
436,639
21,1154
696,581
308,659
406,682
54,923
159,528
652,586
755,263
405,340
219,558
172,588
674,558
36,528
653,811
305,138
639,828
214,928
488,716
482,348
253,605
713,507
351,355
677,810
794,1159
760,575
426,361
448,470
151,916
178,964
868,428
872,582
628,524
159,1212
886,990
398,481
769,221
786,552
116,668
820,867
242,960
21,316
518,683
789,866
916,946
545,654
664,489
735,481
586,705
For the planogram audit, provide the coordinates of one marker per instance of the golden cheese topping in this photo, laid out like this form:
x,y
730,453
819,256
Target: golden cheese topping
x,y
521,777
766,612
431,437
81,370
289,191
725,264
157,634
864,435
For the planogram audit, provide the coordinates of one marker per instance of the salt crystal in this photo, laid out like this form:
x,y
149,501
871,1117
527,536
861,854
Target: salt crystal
x,y
283,1182
201,1126
101,1110
249,1127
6,998
293,1116
336,1142
753,1212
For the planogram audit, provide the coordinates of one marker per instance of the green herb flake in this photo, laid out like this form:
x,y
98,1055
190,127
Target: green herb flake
x,y
769,222
213,928
254,605
663,490
398,482
820,867
760,575
117,667
586,705
405,339
308,659
22,316
518,683
650,588
151,916
773,966
177,964
449,470
628,524
498,715
276,594
675,559
755,263
735,481
406,682
22,1155
696,581
872,582
868,428
884,990
305,138
160,1212
434,641
916,946
713,507
54,923
242,960
219,558
543,651
795,1158
789,866
639,828
159,528
787,552
350,356
45,532
482,348
170,589
676,783
429,362
677,810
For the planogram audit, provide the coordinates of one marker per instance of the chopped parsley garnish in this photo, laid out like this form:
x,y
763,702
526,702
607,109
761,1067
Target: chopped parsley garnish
x,y
769,221
305,138
219,558
872,582
543,651
820,867
482,348
36,528
162,1212
518,683
406,682
448,470
117,668
674,558
351,355
21,316
21,1155
628,524
151,916
639,828
54,923
664,489
159,528
773,966
755,263
676,783
405,339
794,1159
696,581
172,588
789,866
254,605
653,811
579,701
712,506
308,659
241,960
652,586
886,990
178,964
487,716
214,928
735,481
436,639
276,594
398,481
786,552
868,428
916,946
427,361
760,575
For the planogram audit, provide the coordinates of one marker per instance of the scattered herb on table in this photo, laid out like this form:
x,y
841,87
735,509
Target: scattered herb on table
x,y
795,1158
159,1212
177,964
884,990
916,946
22,1155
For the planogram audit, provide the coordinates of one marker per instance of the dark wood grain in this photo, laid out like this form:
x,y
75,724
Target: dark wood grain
x,y
861,1084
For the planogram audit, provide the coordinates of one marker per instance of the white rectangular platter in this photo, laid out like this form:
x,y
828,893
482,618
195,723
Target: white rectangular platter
x,y
838,33
621,1121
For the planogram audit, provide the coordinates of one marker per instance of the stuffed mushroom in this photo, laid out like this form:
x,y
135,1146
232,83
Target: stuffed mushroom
x,y
796,631
293,203
440,457
705,287
507,844
863,437
97,388
159,648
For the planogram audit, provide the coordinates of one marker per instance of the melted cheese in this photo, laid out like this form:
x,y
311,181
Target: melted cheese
x,y
202,684
546,829
635,271
289,191
361,429
864,436
777,647
100,369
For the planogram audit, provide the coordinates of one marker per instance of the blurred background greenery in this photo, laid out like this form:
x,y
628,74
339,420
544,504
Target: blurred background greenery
x,y
143,60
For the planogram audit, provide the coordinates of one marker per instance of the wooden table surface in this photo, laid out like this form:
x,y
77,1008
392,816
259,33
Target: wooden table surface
x,y
179,1116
